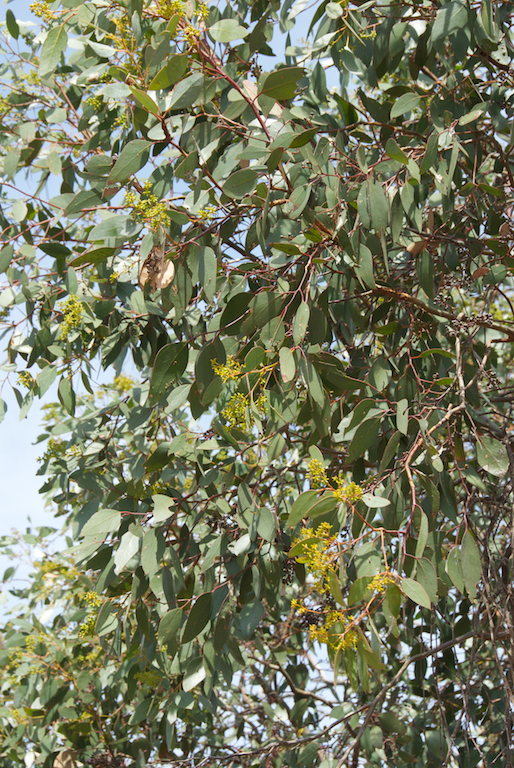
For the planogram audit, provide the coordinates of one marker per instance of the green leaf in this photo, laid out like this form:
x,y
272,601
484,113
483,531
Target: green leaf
x,y
379,207
207,271
133,157
287,364
54,46
186,92
405,103
402,415
363,439
364,269
241,183
127,548
281,84
415,592
374,502
174,69
492,456
170,364
391,723
6,255
145,100
300,323
422,535
159,458
450,18
67,395
93,256
119,227
102,522
389,451
359,590
162,506
12,24
426,575
470,564
454,569
170,625
303,138
152,551
335,588
310,504
395,153
249,618
313,382
227,30
198,618
195,674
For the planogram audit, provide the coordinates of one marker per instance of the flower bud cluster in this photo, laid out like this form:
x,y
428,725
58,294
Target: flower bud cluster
x,y
227,371
379,582
350,493
72,311
25,379
148,207
42,10
316,474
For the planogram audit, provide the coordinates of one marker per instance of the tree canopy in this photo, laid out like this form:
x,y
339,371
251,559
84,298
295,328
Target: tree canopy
x,y
278,318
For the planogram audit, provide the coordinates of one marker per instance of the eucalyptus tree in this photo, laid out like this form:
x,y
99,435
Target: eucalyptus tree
x,y
273,294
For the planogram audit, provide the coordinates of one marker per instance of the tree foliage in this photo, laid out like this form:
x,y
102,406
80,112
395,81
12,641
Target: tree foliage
x,y
287,498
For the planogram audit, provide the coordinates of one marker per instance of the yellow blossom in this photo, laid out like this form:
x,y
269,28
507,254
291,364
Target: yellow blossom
x,y
316,474
349,493
227,371
379,582
72,312
42,10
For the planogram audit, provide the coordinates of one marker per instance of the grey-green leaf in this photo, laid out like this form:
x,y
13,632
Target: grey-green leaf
x,y
492,455
227,30
133,157
54,45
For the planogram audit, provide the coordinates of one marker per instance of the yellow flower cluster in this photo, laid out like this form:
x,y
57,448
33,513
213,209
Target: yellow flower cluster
x,y
25,379
87,628
191,34
169,8
55,449
19,715
148,207
72,311
16,657
237,413
202,10
349,493
123,383
348,639
48,566
93,599
42,10
317,554
148,677
379,582
316,474
31,77
227,371
207,213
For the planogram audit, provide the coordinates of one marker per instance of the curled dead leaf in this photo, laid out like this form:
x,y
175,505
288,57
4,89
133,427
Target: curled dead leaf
x,y
417,247
156,270
480,272
65,759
